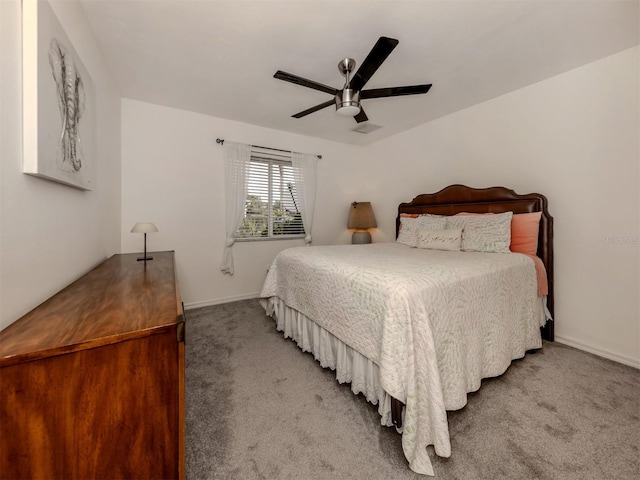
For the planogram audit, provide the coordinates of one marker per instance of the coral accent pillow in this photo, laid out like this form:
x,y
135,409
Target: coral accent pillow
x,y
524,232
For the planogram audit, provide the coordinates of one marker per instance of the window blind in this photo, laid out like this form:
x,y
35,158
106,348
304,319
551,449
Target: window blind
x,y
271,209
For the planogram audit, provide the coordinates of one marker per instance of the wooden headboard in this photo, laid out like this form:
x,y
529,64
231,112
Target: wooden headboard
x,y
460,198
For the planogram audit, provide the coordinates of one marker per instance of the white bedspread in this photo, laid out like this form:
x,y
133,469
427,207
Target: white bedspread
x,y
434,322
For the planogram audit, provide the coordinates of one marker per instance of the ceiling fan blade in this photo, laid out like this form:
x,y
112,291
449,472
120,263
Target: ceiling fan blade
x,y
395,91
378,54
288,77
361,117
314,109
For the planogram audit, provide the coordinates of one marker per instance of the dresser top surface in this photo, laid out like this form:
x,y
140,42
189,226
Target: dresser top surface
x,y
120,298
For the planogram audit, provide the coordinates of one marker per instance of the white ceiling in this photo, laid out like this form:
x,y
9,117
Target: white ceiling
x,y
218,57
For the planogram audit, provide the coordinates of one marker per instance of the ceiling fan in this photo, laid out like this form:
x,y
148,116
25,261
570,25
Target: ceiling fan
x,y
347,100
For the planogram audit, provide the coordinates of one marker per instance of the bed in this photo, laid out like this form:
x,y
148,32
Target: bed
x,y
416,329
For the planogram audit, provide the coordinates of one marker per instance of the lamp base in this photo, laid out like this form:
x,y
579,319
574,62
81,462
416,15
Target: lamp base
x,y
359,238
140,259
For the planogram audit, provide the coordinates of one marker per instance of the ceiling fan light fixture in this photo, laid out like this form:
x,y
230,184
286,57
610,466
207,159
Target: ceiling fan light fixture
x,y
348,110
348,103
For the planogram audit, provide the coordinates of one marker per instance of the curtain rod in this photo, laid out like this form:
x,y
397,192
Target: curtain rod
x,y
221,142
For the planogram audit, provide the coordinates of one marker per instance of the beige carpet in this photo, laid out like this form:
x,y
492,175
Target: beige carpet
x,y
259,408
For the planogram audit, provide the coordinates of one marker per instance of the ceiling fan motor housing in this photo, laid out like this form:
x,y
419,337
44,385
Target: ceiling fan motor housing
x,y
348,102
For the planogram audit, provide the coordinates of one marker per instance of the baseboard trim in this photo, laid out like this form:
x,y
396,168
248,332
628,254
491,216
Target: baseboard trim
x,y
632,362
219,301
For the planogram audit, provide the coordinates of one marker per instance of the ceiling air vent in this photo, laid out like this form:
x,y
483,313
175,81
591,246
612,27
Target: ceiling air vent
x,y
366,128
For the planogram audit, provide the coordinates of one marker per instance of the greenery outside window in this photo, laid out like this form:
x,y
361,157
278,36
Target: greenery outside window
x,y
271,209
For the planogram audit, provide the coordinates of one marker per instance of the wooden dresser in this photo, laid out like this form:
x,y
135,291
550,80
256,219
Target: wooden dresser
x,y
92,380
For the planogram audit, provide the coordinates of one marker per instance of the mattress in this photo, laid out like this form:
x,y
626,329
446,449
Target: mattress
x,y
434,323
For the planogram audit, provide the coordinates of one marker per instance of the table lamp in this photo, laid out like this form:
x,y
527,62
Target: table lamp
x,y
361,217
144,228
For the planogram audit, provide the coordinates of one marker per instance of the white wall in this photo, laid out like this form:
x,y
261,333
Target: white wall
x,y
172,175
574,138
51,234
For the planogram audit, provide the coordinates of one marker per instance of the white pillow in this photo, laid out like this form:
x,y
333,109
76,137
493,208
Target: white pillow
x,y
449,239
484,233
409,227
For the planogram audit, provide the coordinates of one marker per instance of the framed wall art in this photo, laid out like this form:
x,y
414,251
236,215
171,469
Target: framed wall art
x,y
58,102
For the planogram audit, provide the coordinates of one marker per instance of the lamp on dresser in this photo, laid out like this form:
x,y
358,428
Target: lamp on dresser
x,y
361,218
144,228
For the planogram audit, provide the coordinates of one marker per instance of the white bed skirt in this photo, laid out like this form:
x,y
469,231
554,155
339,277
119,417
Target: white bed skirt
x,y
349,365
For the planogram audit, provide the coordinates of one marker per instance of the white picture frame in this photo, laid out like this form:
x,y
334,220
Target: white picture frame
x,y
58,102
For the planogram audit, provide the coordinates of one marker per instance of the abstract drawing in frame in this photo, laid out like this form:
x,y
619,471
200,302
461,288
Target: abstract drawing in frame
x,y
58,102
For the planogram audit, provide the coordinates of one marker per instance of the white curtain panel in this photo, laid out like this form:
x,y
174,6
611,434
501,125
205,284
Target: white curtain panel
x,y
305,168
237,158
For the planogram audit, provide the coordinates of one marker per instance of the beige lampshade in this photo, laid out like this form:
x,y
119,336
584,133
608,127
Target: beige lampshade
x,y
144,228
361,216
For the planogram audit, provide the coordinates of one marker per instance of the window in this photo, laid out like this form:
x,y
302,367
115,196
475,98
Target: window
x,y
271,209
